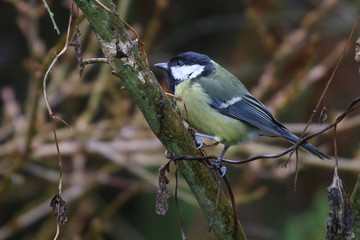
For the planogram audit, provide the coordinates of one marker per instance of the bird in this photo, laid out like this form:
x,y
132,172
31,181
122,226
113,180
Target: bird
x,y
219,107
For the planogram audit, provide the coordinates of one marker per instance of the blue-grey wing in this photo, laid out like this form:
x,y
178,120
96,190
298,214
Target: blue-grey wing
x,y
250,110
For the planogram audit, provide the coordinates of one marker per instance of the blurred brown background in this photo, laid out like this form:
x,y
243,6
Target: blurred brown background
x,y
283,51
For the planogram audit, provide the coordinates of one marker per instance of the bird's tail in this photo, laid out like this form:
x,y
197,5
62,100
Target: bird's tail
x,y
306,146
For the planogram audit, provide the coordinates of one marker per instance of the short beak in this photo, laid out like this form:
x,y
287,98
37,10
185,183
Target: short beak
x,y
163,66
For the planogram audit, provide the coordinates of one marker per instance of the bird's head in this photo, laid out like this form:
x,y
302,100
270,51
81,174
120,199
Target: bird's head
x,y
188,65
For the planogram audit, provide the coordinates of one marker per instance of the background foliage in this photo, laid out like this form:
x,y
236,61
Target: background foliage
x,y
284,51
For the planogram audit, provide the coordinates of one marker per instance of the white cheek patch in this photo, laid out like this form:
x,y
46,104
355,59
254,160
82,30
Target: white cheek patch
x,y
230,102
181,73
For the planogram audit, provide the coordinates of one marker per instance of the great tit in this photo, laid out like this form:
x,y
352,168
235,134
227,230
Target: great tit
x,y
219,106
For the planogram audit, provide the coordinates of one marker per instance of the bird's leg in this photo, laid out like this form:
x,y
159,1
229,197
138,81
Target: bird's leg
x,y
218,163
199,141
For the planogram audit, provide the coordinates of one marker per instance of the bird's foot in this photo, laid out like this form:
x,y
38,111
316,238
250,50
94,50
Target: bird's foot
x,y
218,165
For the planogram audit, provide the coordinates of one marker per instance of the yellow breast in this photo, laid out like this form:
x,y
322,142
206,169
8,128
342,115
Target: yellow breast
x,y
208,120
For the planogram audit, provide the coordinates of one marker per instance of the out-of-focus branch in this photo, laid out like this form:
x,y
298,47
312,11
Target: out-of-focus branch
x,y
155,23
288,47
127,61
293,89
268,40
145,151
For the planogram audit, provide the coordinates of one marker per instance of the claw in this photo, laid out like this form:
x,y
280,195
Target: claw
x,y
199,142
219,166
223,171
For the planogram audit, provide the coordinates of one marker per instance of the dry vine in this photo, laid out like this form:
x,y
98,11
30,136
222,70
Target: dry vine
x,y
57,203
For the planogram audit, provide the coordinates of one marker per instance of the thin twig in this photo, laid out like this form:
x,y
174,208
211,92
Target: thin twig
x,y
105,7
57,231
217,174
183,236
59,156
51,14
53,63
52,117
335,150
233,204
296,169
182,102
321,99
131,29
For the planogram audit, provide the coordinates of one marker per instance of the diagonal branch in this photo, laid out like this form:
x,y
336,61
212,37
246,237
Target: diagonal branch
x,y
127,61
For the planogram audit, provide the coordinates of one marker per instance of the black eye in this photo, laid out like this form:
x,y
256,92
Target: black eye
x,y
180,62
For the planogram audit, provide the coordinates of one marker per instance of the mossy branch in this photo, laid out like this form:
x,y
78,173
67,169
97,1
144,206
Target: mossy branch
x,y
355,205
129,64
